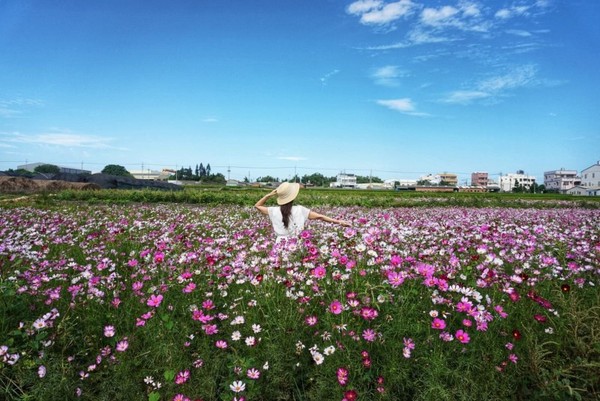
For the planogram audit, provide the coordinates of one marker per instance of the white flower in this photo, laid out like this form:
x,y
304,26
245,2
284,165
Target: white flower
x,y
256,328
329,350
236,335
237,386
250,341
318,358
266,366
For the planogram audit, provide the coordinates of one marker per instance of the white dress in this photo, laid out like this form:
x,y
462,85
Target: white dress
x,y
296,224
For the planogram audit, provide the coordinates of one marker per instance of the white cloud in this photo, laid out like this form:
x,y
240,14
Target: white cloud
x,y
465,97
63,139
388,75
14,107
292,158
404,105
363,6
374,12
518,32
517,77
436,17
327,76
495,86
210,120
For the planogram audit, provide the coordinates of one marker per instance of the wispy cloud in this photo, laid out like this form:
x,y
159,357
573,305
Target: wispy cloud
x,y
388,75
404,105
376,12
327,76
60,139
210,120
10,108
291,158
495,86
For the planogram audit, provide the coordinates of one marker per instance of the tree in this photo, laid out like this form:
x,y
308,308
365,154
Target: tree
x,y
208,169
317,179
267,178
368,179
115,169
47,169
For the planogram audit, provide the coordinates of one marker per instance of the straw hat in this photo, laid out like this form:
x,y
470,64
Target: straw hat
x,y
287,192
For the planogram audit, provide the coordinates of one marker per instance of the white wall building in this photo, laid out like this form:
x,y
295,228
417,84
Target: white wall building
x,y
31,167
561,180
146,174
344,181
509,181
590,179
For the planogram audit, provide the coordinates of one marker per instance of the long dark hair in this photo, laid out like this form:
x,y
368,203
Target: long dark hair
x,y
286,212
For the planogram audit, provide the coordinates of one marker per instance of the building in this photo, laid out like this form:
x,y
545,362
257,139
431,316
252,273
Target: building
x,y
577,190
561,180
513,180
448,179
590,179
67,170
146,174
479,179
344,181
441,179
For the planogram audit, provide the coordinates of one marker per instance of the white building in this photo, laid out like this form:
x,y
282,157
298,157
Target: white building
x,y
344,181
519,179
146,174
561,180
590,179
31,167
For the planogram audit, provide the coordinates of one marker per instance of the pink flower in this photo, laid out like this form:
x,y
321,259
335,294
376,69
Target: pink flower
x,y
462,336
438,324
342,376
335,307
122,345
311,320
395,279
513,358
159,257
369,335
182,376
253,373
189,288
180,397
540,318
368,313
154,300
467,322
109,331
409,343
221,344
318,272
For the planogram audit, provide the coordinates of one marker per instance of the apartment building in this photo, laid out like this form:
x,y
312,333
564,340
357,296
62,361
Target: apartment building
x,y
479,179
561,180
519,179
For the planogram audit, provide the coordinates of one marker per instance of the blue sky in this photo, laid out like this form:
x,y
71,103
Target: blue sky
x,y
398,89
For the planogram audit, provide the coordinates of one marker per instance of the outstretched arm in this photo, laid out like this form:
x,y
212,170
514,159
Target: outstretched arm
x,y
260,204
317,216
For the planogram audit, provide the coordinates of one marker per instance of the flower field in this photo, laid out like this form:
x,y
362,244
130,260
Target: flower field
x,y
175,302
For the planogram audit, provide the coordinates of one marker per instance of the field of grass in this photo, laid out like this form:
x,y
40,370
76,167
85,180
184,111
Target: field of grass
x,y
145,295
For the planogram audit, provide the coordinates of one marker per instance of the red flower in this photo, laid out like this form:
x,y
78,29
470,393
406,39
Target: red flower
x,y
350,395
540,318
516,334
565,288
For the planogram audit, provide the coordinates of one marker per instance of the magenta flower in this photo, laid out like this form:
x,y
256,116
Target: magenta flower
x,y
182,377
438,324
540,318
369,335
221,344
154,300
311,320
335,307
395,279
462,336
342,376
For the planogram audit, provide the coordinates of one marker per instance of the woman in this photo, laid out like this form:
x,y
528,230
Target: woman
x,y
288,220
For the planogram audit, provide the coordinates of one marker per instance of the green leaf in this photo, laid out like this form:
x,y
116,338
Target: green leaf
x,y
169,375
169,325
153,396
